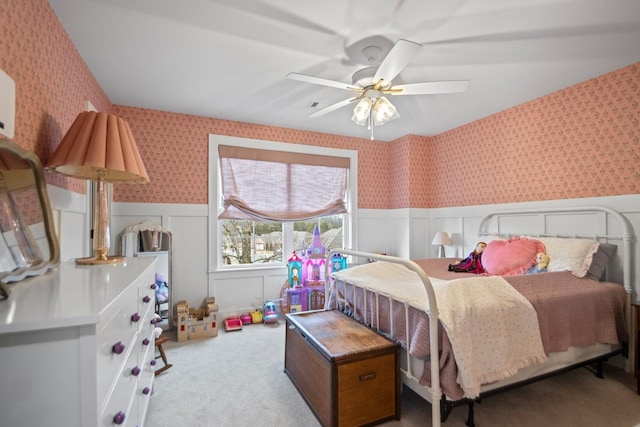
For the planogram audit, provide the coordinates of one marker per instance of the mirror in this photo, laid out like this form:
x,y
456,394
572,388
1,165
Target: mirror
x,y
147,239
28,242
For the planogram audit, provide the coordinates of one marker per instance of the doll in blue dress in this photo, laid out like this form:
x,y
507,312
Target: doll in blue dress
x,y
542,261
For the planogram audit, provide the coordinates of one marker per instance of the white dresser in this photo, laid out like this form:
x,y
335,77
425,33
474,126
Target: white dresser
x,y
77,346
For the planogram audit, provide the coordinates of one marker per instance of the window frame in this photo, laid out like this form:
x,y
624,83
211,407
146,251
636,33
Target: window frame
x,y
215,197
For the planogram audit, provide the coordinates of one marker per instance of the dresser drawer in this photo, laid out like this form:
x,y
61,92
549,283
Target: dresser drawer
x,y
146,339
145,383
114,345
146,296
121,402
119,326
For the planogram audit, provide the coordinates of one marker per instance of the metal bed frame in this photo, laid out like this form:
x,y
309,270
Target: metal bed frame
x,y
435,395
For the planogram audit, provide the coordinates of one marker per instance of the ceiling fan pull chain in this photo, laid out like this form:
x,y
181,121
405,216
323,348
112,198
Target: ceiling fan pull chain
x,y
371,124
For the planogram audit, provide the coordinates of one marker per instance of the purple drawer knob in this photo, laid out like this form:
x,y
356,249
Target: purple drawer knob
x,y
135,371
154,321
135,317
145,341
154,286
153,363
118,418
146,298
146,390
118,348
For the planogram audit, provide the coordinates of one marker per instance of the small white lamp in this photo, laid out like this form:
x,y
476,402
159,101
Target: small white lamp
x,y
441,239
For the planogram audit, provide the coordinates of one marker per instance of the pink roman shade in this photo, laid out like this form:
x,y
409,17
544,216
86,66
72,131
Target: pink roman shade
x,y
267,185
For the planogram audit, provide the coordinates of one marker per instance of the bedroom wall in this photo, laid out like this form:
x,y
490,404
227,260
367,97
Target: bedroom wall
x,y
174,149
582,141
552,148
578,142
53,84
568,144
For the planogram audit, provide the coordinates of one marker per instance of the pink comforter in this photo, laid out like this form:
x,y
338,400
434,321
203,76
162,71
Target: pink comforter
x,y
571,312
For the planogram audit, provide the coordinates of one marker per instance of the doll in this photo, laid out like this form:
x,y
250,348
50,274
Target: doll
x,y
542,261
472,263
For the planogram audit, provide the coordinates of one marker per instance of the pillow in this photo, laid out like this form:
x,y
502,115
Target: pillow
x,y
510,257
600,261
574,255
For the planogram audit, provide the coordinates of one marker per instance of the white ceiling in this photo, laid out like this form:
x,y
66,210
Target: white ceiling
x,y
229,59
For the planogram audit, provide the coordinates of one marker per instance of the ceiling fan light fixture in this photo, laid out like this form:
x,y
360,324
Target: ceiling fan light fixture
x,y
383,111
362,111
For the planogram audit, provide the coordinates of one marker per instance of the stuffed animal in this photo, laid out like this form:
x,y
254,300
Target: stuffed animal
x,y
162,289
472,263
542,261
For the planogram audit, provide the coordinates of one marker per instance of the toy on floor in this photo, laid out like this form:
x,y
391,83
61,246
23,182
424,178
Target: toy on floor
x,y
245,318
256,316
269,313
232,323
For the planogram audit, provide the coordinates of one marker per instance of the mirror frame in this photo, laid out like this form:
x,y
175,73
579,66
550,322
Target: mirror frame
x,y
47,218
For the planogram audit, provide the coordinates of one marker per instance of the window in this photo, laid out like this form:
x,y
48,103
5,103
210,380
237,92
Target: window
x,y
246,241
249,242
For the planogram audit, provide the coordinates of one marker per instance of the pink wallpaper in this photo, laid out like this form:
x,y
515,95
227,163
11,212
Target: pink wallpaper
x,y
583,141
174,149
53,84
400,173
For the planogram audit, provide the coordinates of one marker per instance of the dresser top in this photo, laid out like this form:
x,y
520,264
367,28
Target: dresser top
x,y
71,295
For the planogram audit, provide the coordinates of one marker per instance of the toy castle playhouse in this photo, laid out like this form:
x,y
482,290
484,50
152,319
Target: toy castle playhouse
x,y
306,277
195,323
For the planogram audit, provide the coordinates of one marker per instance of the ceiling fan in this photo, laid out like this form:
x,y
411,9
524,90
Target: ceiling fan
x,y
371,84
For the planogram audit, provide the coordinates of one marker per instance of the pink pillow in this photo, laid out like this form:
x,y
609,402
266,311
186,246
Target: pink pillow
x,y
510,257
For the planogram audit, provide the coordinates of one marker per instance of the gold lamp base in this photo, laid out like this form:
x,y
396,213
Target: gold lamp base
x,y
100,257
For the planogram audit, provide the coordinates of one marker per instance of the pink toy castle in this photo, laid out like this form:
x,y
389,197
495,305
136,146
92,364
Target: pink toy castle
x,y
313,272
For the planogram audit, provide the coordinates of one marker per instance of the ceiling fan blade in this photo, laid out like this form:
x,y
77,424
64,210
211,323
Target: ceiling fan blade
x,y
319,81
395,61
333,107
430,88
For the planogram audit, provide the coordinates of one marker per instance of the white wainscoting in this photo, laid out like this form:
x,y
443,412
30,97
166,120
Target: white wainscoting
x,y
462,224
71,222
399,232
189,249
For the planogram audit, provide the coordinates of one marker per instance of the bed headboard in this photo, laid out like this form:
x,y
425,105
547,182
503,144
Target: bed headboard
x,y
588,222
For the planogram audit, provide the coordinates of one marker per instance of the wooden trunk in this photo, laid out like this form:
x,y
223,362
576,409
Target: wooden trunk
x,y
347,373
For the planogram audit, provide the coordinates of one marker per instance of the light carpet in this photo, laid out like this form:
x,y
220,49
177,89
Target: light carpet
x,y
238,379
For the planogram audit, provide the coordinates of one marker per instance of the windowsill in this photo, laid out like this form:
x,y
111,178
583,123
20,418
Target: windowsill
x,y
249,269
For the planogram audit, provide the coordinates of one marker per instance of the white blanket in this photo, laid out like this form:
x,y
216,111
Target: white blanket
x,y
493,329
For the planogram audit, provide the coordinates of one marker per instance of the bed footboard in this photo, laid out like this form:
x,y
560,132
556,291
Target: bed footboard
x,y
432,313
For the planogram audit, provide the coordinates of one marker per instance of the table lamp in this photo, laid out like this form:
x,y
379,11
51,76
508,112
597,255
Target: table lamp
x,y
99,147
441,239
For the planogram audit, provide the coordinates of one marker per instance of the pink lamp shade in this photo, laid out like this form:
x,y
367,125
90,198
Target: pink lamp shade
x,y
99,144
